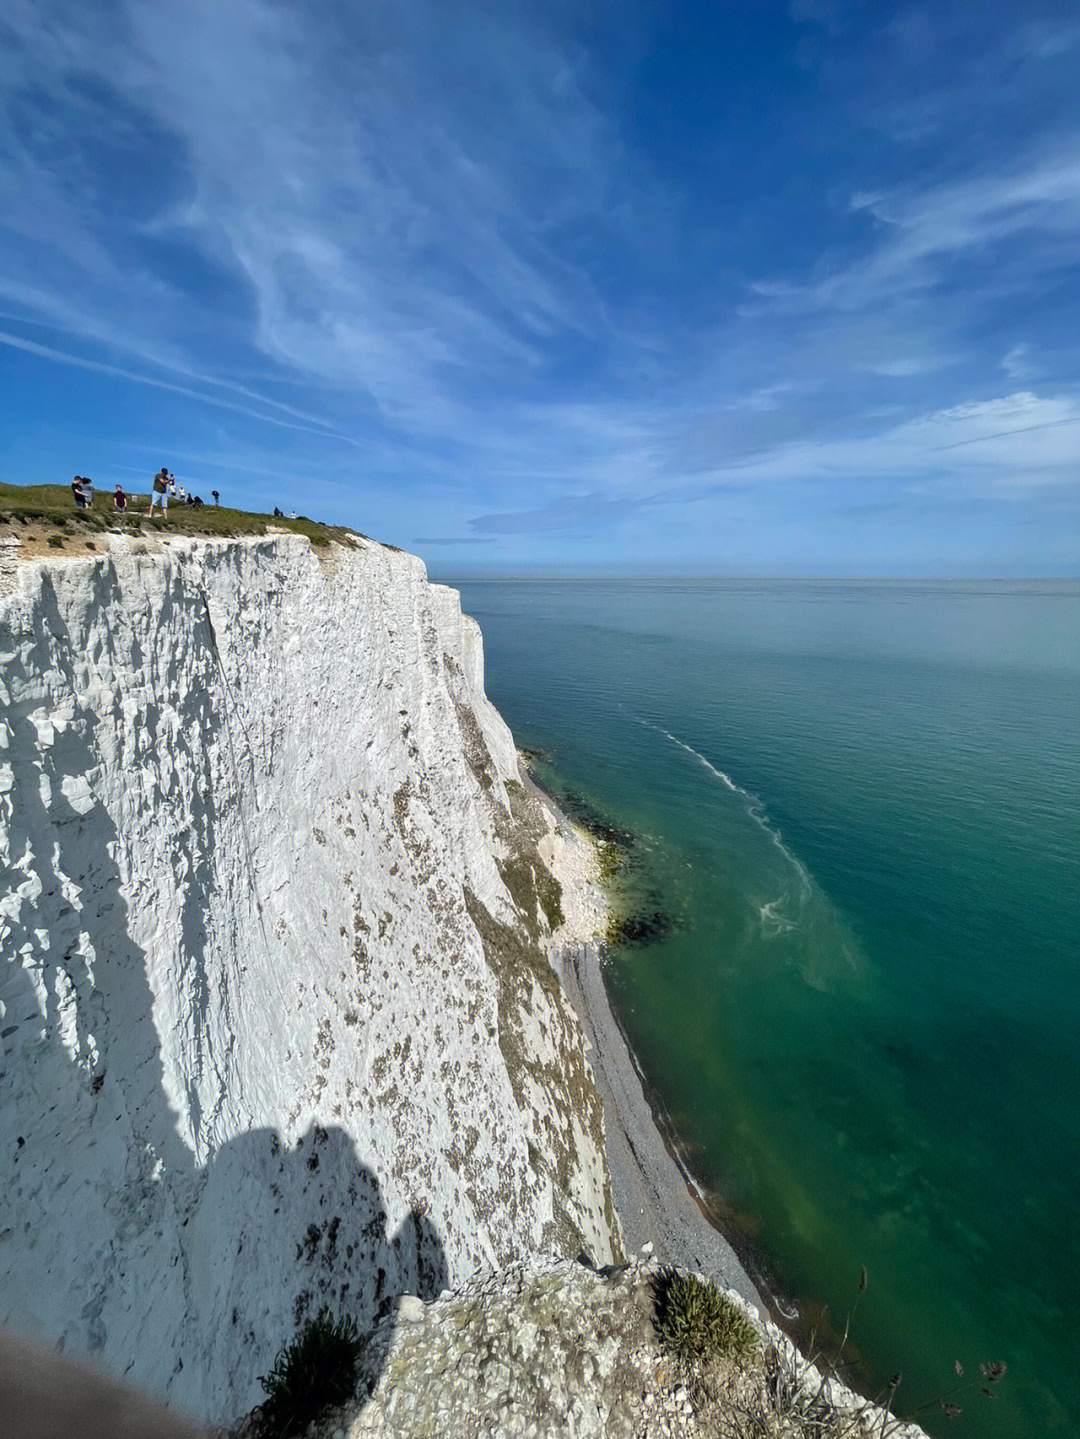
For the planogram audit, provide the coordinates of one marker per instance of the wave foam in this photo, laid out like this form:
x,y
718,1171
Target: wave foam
x,y
773,921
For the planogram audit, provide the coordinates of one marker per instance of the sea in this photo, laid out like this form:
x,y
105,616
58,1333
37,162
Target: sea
x,y
851,968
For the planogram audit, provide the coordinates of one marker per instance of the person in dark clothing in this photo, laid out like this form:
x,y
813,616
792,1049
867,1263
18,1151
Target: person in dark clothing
x,y
119,499
77,491
217,497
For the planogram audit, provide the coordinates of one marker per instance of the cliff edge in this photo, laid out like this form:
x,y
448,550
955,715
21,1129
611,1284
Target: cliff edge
x,y
278,1023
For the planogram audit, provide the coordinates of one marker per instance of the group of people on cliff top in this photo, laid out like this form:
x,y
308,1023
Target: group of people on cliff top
x,y
163,487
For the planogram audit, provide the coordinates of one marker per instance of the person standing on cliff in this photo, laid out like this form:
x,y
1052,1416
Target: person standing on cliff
x,y
160,492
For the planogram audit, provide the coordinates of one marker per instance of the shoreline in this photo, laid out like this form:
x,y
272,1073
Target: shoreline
x,y
656,1196
658,1200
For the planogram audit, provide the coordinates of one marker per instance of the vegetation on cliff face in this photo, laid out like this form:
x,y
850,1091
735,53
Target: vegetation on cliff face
x,y
697,1323
315,1371
539,1350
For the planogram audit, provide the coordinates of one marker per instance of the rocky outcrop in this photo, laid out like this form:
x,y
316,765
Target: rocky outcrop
x,y
278,1024
547,1349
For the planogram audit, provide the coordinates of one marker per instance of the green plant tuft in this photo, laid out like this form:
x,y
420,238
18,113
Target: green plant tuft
x,y
57,541
697,1323
314,1372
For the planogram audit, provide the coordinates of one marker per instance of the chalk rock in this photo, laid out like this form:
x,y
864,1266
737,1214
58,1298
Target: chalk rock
x,y
278,1029
592,1366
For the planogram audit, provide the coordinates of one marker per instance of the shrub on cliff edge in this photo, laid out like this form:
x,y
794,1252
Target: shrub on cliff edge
x,y
313,1373
697,1323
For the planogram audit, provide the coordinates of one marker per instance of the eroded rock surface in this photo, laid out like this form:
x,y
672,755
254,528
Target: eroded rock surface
x,y
547,1349
278,1026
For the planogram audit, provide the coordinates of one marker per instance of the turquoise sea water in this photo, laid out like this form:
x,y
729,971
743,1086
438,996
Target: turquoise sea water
x,y
858,805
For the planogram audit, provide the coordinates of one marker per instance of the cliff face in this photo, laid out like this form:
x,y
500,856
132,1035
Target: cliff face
x,y
277,1024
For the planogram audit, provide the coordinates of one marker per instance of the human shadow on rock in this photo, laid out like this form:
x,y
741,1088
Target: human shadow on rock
x,y
186,1276
282,1232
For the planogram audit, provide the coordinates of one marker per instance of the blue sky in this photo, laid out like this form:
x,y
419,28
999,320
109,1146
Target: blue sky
x,y
745,288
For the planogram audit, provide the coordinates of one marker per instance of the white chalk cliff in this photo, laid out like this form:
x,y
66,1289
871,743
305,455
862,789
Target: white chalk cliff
x,y
277,1026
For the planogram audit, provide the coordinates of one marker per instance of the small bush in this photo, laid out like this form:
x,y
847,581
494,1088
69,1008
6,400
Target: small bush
x,y
696,1323
315,1372
57,541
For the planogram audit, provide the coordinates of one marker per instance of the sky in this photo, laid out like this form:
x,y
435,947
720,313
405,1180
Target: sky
x,y
570,287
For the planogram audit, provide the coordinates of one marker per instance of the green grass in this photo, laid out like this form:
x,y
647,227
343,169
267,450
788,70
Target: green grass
x,y
55,504
697,1323
316,1371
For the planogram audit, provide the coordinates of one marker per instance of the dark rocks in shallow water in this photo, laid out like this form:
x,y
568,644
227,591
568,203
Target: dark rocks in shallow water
x,y
590,819
539,756
649,922
644,927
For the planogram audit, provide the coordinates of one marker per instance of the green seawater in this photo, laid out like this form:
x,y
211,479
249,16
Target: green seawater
x,y
857,804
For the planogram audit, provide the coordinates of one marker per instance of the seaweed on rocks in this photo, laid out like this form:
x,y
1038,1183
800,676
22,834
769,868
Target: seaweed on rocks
x,y
640,927
591,819
537,756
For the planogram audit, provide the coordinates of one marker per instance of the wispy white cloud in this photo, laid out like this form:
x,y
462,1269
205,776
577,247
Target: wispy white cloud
x,y
919,230
101,367
904,368
563,514
389,239
1010,443
1018,364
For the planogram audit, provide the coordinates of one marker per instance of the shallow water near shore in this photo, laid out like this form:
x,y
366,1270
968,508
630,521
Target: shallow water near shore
x,y
855,806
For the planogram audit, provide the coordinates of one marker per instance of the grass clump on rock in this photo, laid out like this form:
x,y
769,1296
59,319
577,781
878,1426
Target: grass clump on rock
x,y
697,1323
315,1372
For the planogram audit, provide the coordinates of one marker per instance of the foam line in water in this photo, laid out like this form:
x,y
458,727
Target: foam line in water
x,y
772,921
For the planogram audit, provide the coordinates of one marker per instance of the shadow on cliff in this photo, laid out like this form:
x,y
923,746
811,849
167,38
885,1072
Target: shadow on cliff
x,y
185,1277
281,1231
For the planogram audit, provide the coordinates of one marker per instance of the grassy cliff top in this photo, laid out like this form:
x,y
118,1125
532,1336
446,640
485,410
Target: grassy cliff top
x,y
49,513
